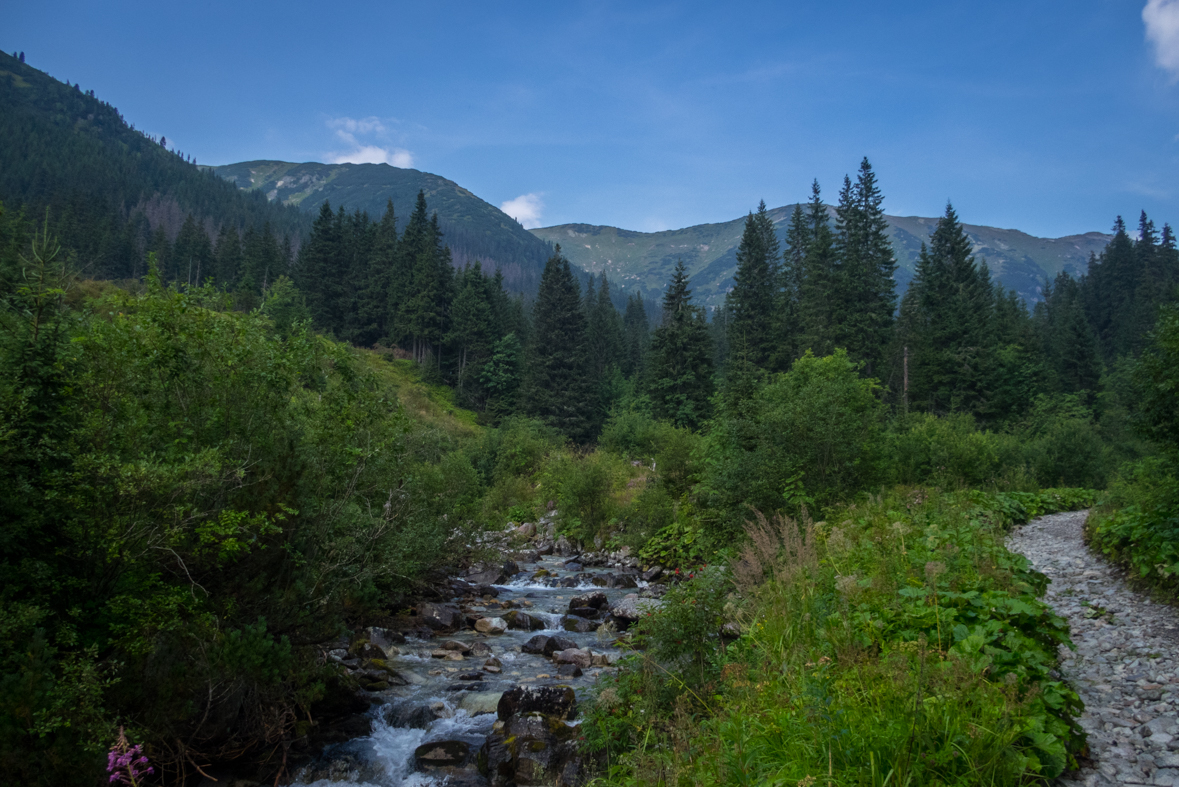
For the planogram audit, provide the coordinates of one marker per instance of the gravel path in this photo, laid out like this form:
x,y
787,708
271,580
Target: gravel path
x,y
1126,665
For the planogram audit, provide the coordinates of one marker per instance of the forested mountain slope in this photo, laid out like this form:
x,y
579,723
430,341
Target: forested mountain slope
x,y
108,187
645,260
471,227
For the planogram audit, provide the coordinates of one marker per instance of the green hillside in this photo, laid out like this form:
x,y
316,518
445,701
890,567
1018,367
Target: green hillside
x,y
107,186
473,228
645,260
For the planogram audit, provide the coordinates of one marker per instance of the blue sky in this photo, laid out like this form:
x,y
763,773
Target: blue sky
x,y
1050,117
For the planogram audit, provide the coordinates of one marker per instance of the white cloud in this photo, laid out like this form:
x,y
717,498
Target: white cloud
x,y
1162,30
349,130
525,209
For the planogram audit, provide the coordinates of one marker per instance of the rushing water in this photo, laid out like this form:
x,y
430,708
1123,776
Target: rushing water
x,y
384,758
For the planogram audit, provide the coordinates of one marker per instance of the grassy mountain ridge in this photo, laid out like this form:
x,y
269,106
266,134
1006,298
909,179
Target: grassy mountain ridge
x,y
106,185
474,229
645,260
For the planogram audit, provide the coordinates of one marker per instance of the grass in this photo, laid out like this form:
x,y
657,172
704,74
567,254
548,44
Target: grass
x,y
896,642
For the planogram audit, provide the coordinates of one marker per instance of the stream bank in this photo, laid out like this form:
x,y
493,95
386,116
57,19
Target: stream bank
x,y
482,687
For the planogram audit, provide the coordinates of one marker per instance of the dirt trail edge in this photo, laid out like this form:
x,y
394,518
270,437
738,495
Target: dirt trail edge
x,y
1126,665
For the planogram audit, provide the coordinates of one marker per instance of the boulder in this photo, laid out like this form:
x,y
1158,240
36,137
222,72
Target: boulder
x,y
440,617
491,625
532,743
589,613
526,530
630,608
522,621
625,581
385,639
486,591
578,625
581,657
476,703
652,574
362,649
545,547
569,671
596,600
490,576
411,678
573,566
564,547
535,645
442,754
471,676
603,580
480,649
455,645
558,702
415,716
558,643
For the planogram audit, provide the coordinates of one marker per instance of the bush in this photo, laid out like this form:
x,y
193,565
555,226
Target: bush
x,y
902,645
806,437
1139,525
947,451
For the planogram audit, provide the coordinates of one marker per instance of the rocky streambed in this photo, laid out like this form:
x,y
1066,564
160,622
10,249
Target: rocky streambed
x,y
482,688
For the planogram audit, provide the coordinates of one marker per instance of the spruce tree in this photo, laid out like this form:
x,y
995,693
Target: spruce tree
x,y
952,346
815,307
636,337
680,379
868,266
557,388
1068,341
751,303
372,310
228,257
786,325
472,325
317,274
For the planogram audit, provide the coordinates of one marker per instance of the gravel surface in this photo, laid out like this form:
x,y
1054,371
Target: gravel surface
x,y
1125,666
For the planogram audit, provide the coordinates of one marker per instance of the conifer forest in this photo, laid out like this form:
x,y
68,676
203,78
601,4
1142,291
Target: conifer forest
x,y
268,473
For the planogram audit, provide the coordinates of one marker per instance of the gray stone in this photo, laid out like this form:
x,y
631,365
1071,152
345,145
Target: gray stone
x,y
579,656
491,625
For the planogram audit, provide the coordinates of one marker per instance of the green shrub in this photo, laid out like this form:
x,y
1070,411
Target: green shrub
x,y
1139,525
903,644
808,436
948,451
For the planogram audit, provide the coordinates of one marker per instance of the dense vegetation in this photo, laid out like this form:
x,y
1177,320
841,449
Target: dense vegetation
x,y
206,476
113,195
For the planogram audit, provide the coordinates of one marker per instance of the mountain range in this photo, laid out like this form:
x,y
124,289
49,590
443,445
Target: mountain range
x,y
471,227
108,188
644,261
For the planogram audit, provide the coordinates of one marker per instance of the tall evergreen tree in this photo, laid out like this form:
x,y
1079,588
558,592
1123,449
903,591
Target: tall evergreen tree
x,y
318,274
951,348
815,307
787,319
372,305
636,337
557,388
193,253
472,328
228,257
680,379
865,290
1068,342
751,303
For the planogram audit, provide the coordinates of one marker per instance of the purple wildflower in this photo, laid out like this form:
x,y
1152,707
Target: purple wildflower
x,y
126,763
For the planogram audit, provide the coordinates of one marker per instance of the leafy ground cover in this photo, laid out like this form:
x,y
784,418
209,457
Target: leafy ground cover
x,y
897,641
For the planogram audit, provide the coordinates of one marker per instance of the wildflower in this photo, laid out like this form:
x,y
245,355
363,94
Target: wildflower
x,y
125,763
